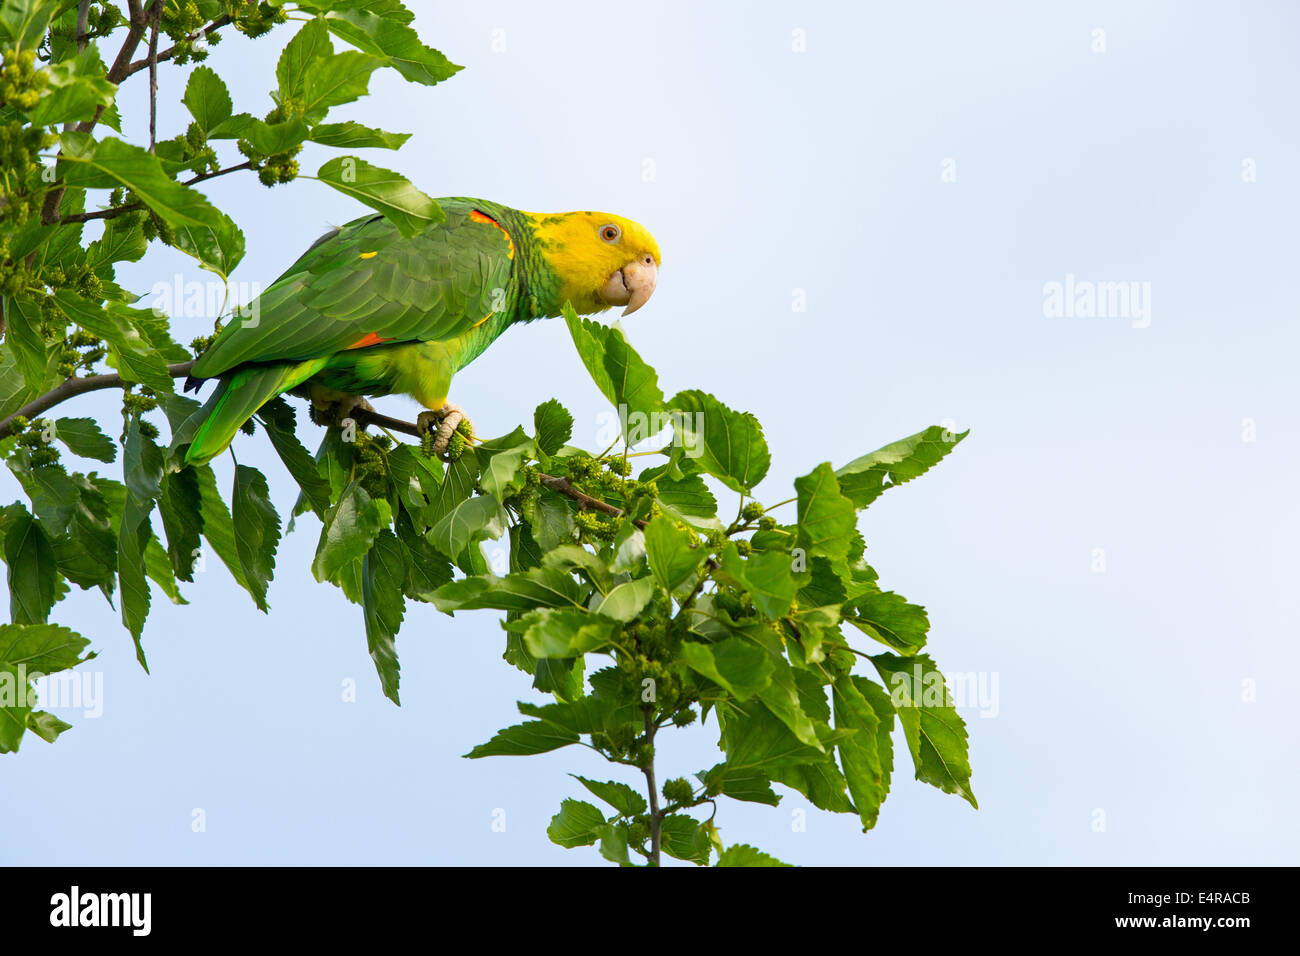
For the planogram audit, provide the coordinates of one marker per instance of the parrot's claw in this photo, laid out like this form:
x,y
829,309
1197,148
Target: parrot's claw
x,y
339,412
441,426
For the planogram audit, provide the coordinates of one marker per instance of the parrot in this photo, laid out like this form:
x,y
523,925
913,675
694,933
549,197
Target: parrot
x,y
367,311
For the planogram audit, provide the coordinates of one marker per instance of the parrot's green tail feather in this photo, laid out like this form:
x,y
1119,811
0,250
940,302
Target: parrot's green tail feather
x,y
237,398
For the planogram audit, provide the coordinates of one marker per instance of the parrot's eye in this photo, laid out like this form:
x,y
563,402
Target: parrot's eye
x,y
610,233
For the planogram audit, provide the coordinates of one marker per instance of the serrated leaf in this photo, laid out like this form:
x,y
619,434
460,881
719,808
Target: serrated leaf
x,y
735,665
827,519
207,98
741,854
395,43
523,740
619,372
618,795
935,732
727,444
257,530
83,437
349,529
577,824
673,553
865,479
566,632
405,206
382,573
33,569
355,136
554,426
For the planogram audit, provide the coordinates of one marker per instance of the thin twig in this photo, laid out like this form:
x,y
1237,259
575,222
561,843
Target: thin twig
x,y
137,65
79,386
153,70
133,206
656,818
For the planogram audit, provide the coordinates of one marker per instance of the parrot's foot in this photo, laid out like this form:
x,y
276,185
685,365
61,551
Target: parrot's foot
x,y
442,427
339,411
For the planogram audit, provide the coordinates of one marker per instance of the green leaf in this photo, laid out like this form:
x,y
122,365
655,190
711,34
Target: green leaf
x,y
554,426
382,573
406,207
749,785
619,372
727,444
625,601
257,530
123,241
865,479
350,528
33,569
218,249
395,43
181,505
83,437
310,44
46,726
218,526
576,824
23,22
77,88
889,619
534,588
355,136
674,554
278,419
566,632
132,542
827,519
867,754
936,734
524,740
113,163
42,648
207,98
23,336
334,80
742,854
686,838
133,357
735,665
618,795
768,576
472,520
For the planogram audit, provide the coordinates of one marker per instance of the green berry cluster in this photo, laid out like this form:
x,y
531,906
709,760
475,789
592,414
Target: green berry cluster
x,y
181,21
135,405
102,18
80,351
370,463
21,84
253,18
31,436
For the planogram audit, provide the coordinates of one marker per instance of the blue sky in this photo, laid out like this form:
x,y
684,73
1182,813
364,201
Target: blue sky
x,y
1114,540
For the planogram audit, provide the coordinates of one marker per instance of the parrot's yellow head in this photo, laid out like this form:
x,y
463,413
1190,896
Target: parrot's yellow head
x,y
598,258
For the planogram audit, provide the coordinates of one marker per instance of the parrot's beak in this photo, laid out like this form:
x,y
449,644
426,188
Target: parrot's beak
x,y
632,285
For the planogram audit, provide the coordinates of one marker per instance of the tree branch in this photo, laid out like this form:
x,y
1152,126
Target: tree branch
x,y
656,818
79,386
94,383
142,63
116,73
133,206
154,27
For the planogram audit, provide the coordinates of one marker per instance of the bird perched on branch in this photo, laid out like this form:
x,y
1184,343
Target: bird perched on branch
x,y
368,311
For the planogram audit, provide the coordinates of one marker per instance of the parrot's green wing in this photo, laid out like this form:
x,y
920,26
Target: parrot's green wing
x,y
366,284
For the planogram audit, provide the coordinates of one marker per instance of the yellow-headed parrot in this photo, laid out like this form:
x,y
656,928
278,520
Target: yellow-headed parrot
x,y
368,311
